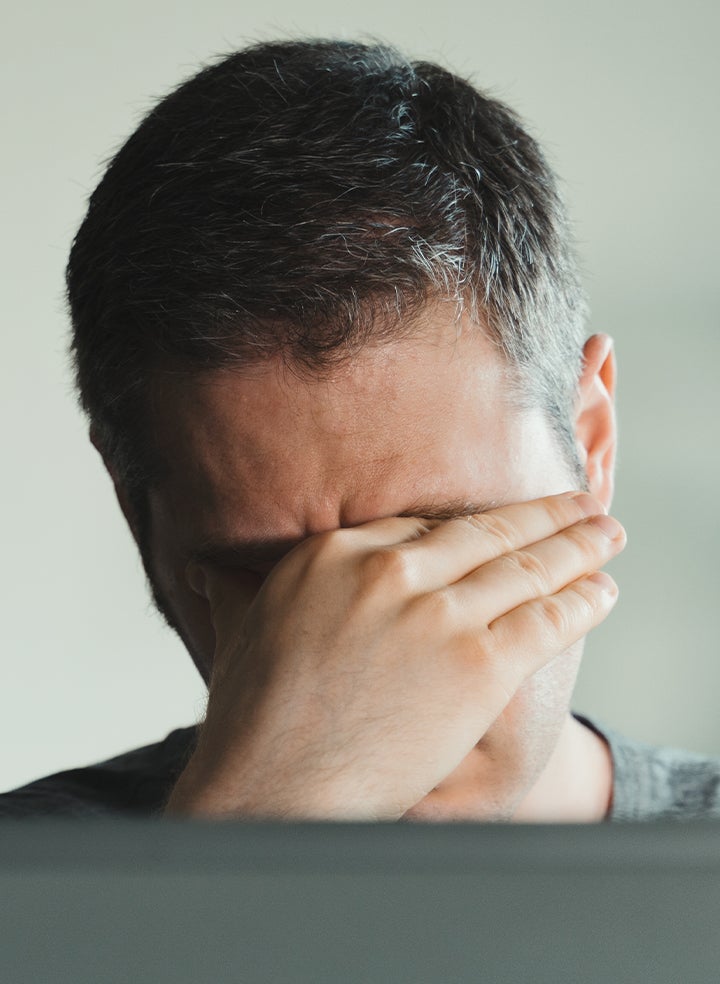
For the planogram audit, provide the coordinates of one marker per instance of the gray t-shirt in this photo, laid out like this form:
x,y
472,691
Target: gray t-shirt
x,y
649,783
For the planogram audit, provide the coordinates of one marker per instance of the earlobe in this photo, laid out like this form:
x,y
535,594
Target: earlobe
x,y
595,420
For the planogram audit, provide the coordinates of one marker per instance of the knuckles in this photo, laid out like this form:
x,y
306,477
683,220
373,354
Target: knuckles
x,y
336,555
550,612
438,610
390,567
566,618
520,562
496,526
587,538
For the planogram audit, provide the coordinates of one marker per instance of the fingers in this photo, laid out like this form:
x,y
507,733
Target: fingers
x,y
526,638
539,569
440,552
449,551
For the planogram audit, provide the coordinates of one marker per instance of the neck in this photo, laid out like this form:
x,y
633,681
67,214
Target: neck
x,y
575,785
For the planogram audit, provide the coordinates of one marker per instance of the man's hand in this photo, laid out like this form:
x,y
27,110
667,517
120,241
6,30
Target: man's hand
x,y
373,659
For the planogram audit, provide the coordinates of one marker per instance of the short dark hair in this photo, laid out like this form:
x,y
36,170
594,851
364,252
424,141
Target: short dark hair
x,y
303,198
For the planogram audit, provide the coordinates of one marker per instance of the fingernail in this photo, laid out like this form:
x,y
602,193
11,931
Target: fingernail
x,y
608,525
604,581
196,579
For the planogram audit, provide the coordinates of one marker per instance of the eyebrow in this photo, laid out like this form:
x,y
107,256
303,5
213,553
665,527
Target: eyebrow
x,y
265,552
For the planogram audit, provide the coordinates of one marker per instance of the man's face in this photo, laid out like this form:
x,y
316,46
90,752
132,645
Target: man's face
x,y
423,425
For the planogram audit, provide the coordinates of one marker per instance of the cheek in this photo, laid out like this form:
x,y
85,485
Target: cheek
x,y
192,615
528,729
194,612
188,614
496,775
550,689
184,610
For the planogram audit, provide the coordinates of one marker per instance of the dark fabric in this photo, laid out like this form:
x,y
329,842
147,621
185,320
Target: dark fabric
x,y
136,783
649,783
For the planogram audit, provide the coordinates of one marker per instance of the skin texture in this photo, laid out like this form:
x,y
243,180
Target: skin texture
x,y
425,420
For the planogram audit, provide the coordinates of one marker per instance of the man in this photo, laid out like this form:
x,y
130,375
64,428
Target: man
x,y
329,334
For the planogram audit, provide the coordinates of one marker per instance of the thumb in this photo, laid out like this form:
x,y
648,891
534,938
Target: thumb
x,y
229,592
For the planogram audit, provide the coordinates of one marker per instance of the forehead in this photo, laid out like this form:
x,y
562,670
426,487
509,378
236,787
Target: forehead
x,y
268,453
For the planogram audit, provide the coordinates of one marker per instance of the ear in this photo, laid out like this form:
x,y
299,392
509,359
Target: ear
x,y
595,420
120,492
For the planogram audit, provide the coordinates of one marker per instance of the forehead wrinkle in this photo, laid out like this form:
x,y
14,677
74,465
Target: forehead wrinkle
x,y
268,549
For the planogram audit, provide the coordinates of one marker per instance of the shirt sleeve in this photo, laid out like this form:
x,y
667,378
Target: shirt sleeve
x,y
656,783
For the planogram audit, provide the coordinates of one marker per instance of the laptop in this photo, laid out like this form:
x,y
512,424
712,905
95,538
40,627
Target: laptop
x,y
170,900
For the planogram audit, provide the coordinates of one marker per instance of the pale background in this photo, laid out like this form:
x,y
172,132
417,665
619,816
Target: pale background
x,y
623,96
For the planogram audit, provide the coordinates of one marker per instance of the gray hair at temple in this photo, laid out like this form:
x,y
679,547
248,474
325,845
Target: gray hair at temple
x,y
306,198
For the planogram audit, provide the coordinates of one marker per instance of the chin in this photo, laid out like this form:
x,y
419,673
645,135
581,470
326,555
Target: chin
x,y
499,772
487,787
444,809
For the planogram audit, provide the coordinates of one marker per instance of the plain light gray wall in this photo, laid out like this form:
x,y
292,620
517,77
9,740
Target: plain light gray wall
x,y
623,96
